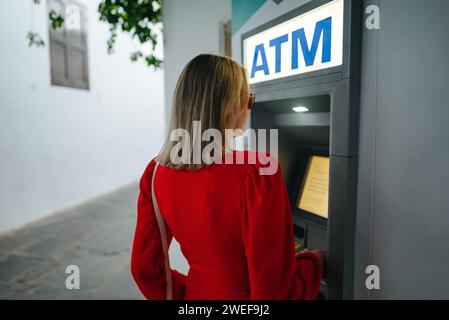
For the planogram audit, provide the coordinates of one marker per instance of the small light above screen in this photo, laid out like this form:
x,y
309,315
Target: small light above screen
x,y
300,109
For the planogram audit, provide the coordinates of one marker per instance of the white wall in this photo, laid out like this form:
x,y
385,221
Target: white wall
x,y
190,28
62,146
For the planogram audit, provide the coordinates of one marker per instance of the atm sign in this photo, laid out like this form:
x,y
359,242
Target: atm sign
x,y
309,42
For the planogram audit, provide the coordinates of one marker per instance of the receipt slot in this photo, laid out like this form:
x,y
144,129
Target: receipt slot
x,y
304,68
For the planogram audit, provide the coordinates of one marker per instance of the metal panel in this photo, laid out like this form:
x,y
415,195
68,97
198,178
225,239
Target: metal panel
x,y
405,152
341,226
368,111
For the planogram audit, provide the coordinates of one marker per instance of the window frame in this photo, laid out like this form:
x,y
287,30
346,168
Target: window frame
x,y
61,37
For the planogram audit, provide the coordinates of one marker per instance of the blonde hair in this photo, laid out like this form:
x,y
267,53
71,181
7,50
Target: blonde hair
x,y
211,89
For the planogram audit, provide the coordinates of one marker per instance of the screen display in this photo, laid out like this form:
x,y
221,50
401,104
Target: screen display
x,y
315,187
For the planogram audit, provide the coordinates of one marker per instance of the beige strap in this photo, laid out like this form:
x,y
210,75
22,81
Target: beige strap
x,y
161,224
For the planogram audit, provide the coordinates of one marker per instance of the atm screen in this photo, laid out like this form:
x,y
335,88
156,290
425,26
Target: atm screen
x,y
313,197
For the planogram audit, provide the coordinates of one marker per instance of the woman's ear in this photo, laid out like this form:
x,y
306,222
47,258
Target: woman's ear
x,y
242,119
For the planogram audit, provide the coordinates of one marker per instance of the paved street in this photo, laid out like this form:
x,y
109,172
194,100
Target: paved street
x,y
95,236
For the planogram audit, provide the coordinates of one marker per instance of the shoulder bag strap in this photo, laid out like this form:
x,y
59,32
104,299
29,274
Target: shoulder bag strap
x,y
161,224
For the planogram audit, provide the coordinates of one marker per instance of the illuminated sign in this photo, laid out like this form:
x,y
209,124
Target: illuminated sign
x,y
309,42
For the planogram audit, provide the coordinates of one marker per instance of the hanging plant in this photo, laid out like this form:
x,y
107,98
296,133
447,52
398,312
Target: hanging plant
x,y
141,19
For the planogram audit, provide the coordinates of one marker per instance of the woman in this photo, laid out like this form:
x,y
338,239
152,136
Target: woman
x,y
234,224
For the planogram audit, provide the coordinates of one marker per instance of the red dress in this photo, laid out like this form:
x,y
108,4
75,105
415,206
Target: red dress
x,y
234,227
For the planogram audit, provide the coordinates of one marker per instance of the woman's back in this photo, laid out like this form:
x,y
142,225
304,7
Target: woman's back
x,y
234,228
203,211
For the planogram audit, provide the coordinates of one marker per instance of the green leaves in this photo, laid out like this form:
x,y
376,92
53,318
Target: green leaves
x,y
56,19
34,39
139,18
136,56
151,60
56,22
111,41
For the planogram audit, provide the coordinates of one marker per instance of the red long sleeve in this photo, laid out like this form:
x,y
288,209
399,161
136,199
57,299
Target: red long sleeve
x,y
147,261
267,232
235,229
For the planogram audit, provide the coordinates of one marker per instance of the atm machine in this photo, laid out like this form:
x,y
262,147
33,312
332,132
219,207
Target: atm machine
x,y
304,68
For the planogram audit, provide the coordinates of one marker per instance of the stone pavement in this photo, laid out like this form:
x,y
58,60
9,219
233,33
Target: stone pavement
x,y
95,236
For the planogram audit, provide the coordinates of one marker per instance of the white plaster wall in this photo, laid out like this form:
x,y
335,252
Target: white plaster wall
x,y
190,28
61,146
